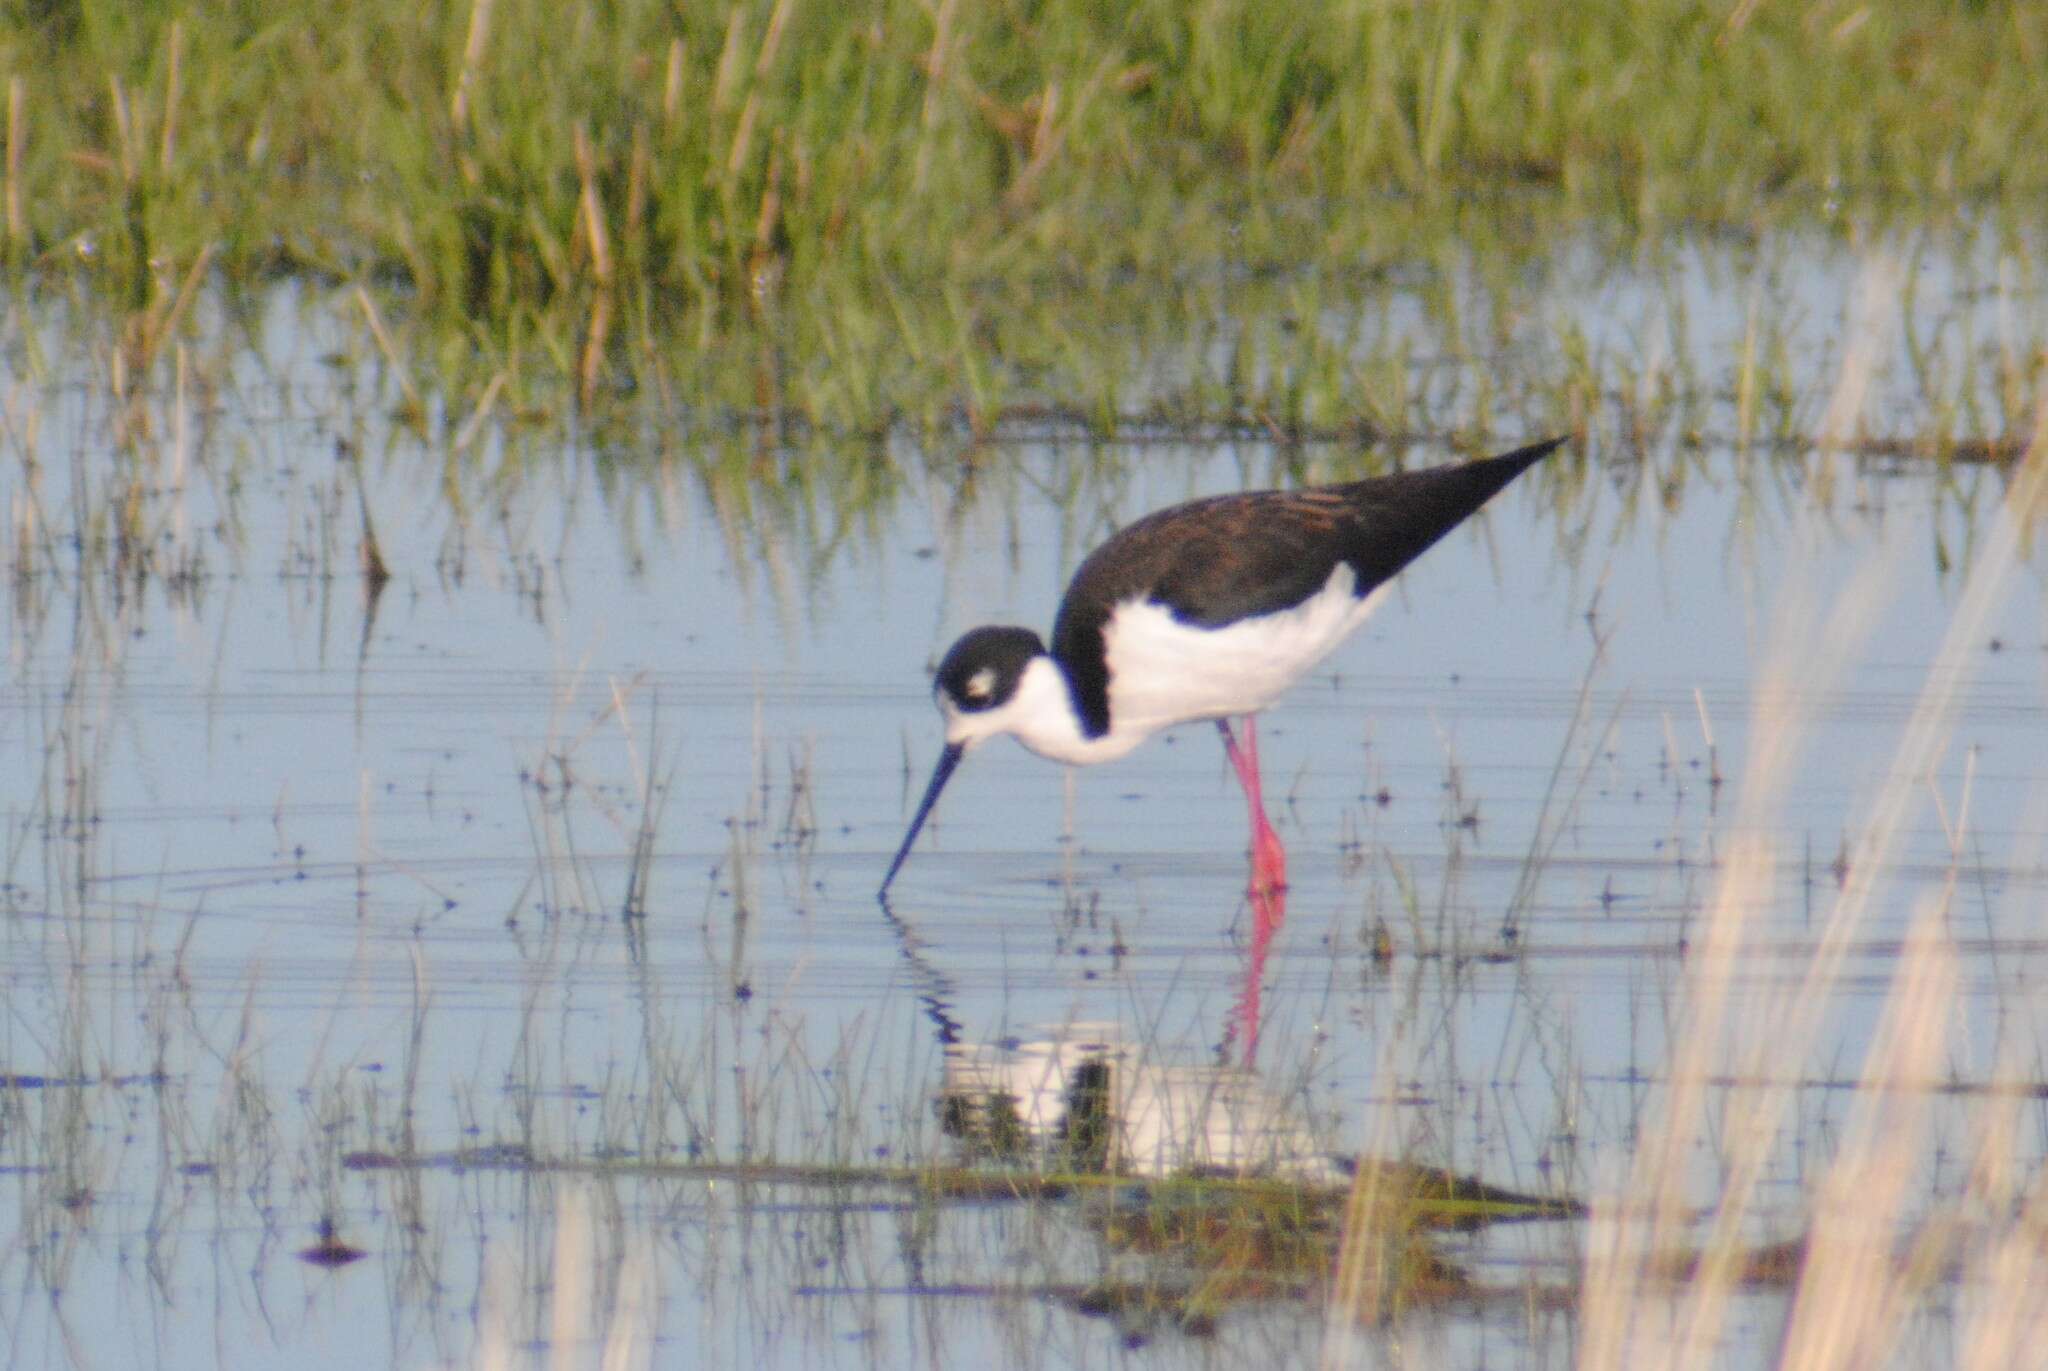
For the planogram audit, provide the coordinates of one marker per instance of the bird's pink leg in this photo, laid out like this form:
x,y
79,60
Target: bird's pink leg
x,y
1269,857
1269,908
1268,890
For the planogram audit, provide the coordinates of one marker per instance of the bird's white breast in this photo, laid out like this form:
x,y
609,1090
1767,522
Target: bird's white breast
x,y
1164,672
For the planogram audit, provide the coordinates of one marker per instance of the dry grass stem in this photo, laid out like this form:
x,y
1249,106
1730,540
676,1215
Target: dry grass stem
x,y
17,130
1853,1291
472,62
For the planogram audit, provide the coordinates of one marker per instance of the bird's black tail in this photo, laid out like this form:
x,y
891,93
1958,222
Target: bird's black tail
x,y
1402,515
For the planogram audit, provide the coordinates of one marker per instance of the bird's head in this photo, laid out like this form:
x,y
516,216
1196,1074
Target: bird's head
x,y
978,678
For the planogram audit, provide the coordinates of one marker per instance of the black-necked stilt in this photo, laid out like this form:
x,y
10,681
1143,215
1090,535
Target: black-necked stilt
x,y
1202,611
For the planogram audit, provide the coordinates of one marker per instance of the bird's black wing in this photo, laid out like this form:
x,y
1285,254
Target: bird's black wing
x,y
1212,562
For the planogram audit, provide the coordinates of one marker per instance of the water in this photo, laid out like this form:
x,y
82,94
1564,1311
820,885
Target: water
x,y
565,847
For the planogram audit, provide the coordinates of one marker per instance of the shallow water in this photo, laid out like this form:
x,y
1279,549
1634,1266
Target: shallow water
x,y
294,873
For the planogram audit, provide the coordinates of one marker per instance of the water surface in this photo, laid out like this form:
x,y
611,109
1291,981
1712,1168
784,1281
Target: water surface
x,y
565,845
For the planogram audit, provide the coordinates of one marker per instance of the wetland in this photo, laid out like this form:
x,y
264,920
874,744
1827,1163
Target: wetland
x,y
475,551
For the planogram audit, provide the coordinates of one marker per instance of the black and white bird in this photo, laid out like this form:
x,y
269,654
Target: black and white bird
x,y
1207,610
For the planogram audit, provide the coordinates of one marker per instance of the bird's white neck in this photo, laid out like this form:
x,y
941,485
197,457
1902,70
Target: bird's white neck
x,y
1041,716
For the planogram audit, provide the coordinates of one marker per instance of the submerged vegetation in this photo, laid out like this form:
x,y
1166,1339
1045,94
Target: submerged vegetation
x,y
913,208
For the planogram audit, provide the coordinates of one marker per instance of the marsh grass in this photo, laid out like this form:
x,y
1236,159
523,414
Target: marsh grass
x,y
875,206
1334,370
496,154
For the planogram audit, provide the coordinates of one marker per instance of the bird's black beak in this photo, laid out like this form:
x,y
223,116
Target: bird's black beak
x,y
948,759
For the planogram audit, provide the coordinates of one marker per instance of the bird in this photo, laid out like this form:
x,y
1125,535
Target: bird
x,y
1205,610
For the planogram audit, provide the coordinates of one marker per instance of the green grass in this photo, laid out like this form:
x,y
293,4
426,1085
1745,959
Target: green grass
x,y
628,195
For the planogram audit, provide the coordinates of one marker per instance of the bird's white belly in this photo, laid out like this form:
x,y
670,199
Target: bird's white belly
x,y
1164,672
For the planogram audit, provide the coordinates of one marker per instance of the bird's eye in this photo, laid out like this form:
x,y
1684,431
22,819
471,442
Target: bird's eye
x,y
981,685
